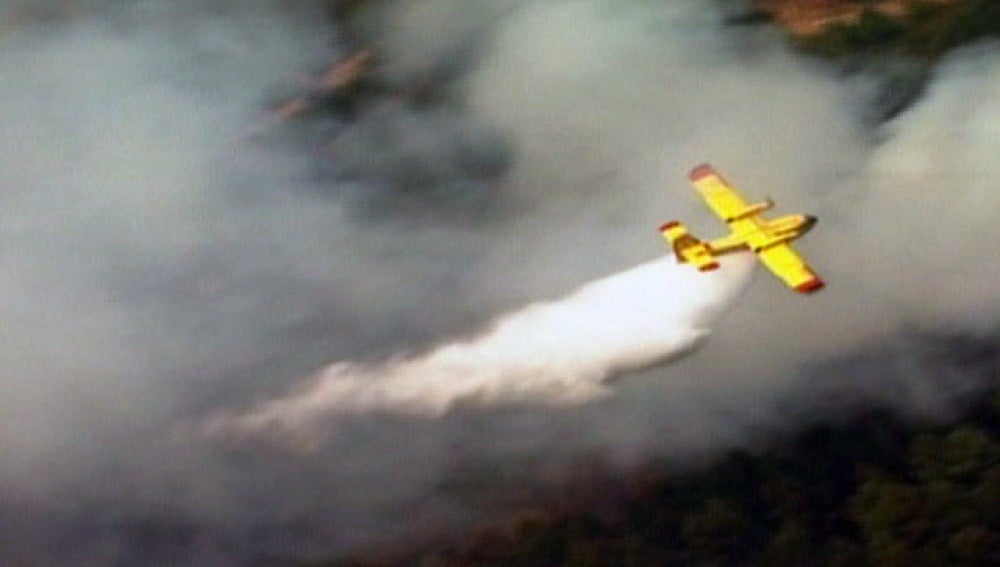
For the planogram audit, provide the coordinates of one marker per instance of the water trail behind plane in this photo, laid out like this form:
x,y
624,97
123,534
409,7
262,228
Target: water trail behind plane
x,y
557,353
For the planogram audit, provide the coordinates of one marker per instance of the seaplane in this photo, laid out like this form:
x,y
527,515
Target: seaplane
x,y
769,239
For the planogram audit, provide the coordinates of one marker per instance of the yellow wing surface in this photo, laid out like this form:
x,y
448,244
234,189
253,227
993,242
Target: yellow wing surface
x,y
767,238
719,195
786,263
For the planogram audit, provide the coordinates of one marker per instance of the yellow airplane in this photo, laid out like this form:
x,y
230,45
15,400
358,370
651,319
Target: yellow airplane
x,y
769,239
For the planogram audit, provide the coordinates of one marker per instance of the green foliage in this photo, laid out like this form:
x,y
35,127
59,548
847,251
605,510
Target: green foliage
x,y
872,30
944,513
872,492
974,20
928,30
714,533
962,455
843,552
791,545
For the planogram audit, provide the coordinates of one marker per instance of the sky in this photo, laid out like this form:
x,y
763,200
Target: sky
x,y
161,271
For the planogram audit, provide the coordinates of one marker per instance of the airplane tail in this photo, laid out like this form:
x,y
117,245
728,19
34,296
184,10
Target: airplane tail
x,y
687,248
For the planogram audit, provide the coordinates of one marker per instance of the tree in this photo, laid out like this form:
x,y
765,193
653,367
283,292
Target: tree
x,y
715,533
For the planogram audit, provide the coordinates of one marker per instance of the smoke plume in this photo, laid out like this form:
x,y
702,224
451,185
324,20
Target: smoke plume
x,y
556,353
155,272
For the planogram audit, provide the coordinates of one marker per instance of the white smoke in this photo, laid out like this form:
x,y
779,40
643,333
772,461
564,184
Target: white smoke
x,y
151,278
554,353
606,124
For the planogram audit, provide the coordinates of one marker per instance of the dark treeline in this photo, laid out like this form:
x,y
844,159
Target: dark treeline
x,y
928,29
871,490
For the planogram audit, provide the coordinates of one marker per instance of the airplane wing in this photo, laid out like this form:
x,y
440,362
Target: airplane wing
x,y
786,263
720,196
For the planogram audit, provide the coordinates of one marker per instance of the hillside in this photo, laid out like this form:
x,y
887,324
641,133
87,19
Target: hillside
x,y
871,490
810,17
919,28
898,41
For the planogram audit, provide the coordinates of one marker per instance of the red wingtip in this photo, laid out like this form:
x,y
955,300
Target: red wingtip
x,y
810,286
669,225
703,170
709,267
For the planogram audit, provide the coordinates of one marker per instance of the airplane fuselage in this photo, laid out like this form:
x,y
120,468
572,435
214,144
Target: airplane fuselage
x,y
756,233
787,227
